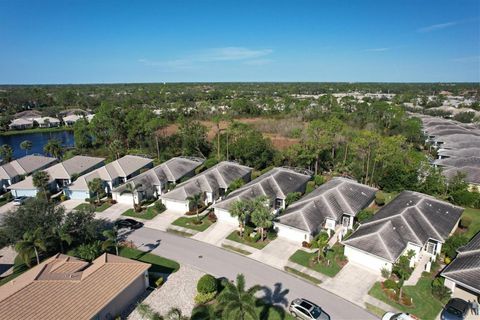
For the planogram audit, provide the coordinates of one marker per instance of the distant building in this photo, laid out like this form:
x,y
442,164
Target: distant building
x,y
47,122
20,124
12,172
64,287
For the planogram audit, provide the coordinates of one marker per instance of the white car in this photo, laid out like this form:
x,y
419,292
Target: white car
x,y
398,316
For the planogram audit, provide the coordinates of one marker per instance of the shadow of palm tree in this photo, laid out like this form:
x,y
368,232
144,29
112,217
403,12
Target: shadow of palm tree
x,y
273,301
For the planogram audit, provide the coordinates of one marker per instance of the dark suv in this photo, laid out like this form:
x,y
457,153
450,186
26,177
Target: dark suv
x,y
456,309
304,309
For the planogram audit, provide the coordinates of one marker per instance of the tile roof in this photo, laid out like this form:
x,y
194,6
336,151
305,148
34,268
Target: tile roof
x,y
411,217
275,184
472,174
465,268
25,165
331,200
64,287
170,171
210,180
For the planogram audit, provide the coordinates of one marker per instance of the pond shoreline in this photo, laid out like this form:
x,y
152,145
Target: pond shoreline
x,y
36,130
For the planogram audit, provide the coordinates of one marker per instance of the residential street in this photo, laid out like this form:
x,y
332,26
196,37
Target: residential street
x,y
222,263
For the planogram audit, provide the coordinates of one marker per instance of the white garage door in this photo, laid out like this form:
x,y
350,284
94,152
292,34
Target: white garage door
x,y
176,205
78,195
125,198
224,216
292,234
367,260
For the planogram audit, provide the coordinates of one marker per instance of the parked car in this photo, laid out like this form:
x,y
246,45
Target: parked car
x,y
398,316
128,223
455,309
18,201
304,309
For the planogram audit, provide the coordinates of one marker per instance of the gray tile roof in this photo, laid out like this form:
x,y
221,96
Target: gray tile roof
x,y
460,153
170,171
331,200
211,180
465,268
459,162
25,165
275,184
411,217
472,174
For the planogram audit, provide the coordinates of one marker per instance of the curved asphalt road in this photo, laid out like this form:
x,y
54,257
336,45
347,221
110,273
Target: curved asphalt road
x,y
222,263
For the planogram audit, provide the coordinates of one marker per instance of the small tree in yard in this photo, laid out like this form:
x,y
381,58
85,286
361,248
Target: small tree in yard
x,y
262,218
30,245
131,188
96,187
40,181
322,243
237,302
195,202
292,197
111,241
402,269
240,210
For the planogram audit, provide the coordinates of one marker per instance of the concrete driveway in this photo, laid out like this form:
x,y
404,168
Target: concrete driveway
x,y
352,283
216,233
71,204
163,220
276,253
114,212
6,207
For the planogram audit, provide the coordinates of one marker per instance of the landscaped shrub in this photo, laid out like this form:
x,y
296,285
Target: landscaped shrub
x,y
137,208
439,290
210,163
212,217
271,234
63,197
112,201
447,260
452,244
385,273
389,284
465,222
202,298
310,186
319,180
159,206
364,215
305,244
379,199
207,284
292,197
159,282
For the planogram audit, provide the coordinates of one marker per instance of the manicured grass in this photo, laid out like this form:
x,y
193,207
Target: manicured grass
x,y
425,305
379,312
159,264
305,259
36,130
234,236
232,248
263,310
180,233
19,267
303,275
474,227
148,214
389,196
189,223
100,208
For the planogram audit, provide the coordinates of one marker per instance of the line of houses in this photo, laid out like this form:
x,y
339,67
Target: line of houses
x,y
22,123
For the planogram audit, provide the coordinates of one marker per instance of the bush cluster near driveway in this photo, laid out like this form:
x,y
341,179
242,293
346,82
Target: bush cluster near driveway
x,y
99,208
254,242
159,264
334,256
425,305
192,223
148,213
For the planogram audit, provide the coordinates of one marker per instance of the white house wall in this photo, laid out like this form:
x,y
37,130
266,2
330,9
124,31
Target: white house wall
x,y
292,234
224,216
24,193
370,261
179,206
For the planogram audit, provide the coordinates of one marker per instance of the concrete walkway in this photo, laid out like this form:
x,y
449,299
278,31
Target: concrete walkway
x,y
417,271
276,253
216,233
69,205
163,220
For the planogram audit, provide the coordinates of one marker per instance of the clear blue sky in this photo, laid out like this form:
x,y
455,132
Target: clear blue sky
x,y
200,40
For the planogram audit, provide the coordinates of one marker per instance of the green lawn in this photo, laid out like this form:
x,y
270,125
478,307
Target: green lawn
x,y
474,214
305,259
148,214
264,312
425,305
238,250
19,267
303,275
189,223
159,264
234,236
100,208
36,130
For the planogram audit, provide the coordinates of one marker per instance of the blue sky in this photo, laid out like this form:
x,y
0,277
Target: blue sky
x,y
202,40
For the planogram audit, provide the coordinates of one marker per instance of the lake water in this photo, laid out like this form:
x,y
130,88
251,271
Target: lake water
x,y
38,139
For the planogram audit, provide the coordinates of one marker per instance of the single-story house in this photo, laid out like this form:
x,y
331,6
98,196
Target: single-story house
x,y
213,183
462,275
47,122
71,119
64,287
20,124
158,180
412,221
13,171
112,175
334,204
276,184
61,175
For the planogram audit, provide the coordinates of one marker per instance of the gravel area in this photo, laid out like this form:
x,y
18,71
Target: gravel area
x,y
178,292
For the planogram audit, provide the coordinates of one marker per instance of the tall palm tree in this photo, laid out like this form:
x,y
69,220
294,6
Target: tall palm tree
x,y
262,217
131,188
54,148
111,241
176,314
240,210
62,236
40,181
195,201
236,302
26,145
31,244
96,186
6,152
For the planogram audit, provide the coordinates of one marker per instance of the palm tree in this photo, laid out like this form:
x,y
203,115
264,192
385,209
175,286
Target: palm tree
x,y
322,242
31,244
111,241
240,209
116,148
26,145
262,217
6,152
96,186
236,302
176,314
63,236
131,188
195,201
54,148
40,181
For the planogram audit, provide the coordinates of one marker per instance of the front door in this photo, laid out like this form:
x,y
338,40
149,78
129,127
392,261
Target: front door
x,y
346,221
431,247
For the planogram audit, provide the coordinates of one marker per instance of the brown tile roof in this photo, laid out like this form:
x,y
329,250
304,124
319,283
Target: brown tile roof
x,y
65,287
